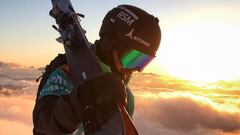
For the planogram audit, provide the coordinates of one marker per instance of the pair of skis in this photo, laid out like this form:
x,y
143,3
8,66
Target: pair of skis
x,y
84,65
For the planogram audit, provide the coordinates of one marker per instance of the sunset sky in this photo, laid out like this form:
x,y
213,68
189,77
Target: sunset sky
x,y
192,87
200,39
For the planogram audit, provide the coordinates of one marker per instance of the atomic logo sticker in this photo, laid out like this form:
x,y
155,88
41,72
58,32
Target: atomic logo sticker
x,y
130,33
138,39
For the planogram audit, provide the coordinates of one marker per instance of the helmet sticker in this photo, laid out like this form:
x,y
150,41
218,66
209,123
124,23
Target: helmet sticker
x,y
138,39
112,20
125,17
129,12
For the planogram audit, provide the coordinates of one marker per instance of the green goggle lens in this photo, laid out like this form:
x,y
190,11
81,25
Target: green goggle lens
x,y
136,59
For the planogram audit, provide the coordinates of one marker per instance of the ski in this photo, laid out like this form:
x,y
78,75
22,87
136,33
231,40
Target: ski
x,y
84,66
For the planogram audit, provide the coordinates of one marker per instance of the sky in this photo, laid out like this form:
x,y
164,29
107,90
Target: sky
x,y
199,38
192,87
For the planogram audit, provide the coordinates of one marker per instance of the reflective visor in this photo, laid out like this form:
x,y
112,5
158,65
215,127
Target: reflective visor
x,y
135,59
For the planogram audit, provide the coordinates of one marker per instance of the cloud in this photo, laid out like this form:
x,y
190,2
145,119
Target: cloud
x,y
17,80
16,72
155,83
178,115
182,116
17,97
17,109
153,116
149,80
14,128
16,115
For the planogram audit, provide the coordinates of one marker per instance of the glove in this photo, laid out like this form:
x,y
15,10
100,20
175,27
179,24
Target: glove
x,y
103,91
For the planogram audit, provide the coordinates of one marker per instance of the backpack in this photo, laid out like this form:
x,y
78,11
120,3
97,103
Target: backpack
x,y
54,64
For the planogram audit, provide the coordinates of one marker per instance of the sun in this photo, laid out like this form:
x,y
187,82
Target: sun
x,y
201,49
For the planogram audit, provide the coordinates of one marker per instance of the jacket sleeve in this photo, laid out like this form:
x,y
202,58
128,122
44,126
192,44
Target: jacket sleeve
x,y
57,111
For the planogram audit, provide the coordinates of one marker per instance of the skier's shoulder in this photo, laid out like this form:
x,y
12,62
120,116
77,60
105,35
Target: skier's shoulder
x,y
61,72
58,83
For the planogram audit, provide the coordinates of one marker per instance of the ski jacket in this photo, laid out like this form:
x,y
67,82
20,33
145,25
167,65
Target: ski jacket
x,y
57,111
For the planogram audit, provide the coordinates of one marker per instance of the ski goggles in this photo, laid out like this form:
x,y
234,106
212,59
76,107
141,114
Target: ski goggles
x,y
135,59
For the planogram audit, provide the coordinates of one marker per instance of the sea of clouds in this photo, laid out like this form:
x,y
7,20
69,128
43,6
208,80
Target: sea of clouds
x,y
162,105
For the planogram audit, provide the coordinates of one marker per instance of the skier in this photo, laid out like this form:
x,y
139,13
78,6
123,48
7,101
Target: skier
x,y
129,39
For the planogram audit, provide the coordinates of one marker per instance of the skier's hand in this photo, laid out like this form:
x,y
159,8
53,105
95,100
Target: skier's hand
x,y
103,91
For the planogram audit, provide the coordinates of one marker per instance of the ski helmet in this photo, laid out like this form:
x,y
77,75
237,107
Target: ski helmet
x,y
130,26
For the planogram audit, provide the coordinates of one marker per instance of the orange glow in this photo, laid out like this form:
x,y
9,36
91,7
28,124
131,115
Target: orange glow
x,y
219,95
201,45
